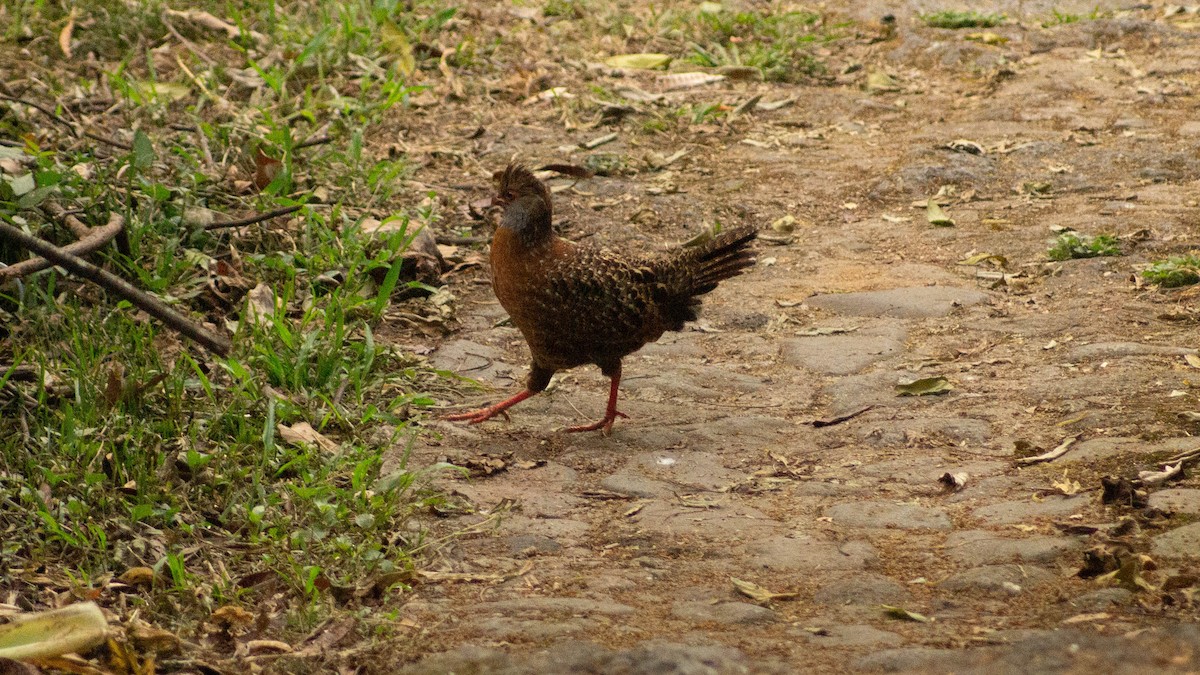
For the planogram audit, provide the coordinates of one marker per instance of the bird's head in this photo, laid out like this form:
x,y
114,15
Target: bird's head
x,y
517,181
526,203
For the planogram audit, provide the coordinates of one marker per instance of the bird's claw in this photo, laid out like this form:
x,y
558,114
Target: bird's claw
x,y
604,425
477,416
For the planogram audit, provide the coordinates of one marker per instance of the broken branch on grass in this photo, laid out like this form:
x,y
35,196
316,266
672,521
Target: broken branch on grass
x,y
451,240
111,282
319,140
251,220
828,422
1049,456
92,240
67,123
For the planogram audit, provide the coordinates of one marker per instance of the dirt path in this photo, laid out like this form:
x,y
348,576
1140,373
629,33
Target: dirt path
x,y
617,553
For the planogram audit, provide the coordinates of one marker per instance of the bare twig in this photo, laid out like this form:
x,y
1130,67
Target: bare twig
x,y
1048,456
256,218
111,282
451,240
93,239
319,140
67,123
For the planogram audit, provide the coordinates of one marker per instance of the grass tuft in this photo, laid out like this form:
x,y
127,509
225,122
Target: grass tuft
x,y
1070,245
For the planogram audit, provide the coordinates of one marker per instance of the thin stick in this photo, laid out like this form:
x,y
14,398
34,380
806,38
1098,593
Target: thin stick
x,y
256,218
319,140
451,240
67,123
1048,456
111,282
94,240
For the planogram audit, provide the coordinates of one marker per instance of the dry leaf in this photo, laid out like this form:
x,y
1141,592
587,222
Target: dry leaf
x,y
138,576
639,61
74,628
905,615
303,433
64,36
265,169
1192,360
925,386
758,593
687,80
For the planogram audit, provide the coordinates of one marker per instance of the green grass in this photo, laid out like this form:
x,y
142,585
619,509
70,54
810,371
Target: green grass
x,y
776,41
1174,272
961,19
123,445
1070,245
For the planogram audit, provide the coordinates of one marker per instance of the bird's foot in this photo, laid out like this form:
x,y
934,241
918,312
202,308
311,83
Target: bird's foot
x,y
477,416
604,425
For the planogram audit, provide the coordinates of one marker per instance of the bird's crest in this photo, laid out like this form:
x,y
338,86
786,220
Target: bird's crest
x,y
517,181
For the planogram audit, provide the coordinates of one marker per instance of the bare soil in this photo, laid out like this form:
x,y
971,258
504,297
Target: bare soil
x,y
608,553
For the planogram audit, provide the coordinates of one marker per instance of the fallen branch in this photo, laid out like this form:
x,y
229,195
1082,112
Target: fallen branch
x,y
250,220
67,123
451,240
319,140
1049,456
90,240
111,282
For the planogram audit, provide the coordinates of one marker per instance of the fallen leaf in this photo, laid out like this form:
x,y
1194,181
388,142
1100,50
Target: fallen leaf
x,y
303,433
639,61
758,593
904,614
687,80
1192,360
64,36
879,81
936,216
74,628
954,481
137,576
266,169
925,386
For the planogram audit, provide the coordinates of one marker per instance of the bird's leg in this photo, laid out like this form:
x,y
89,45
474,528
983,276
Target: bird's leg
x,y
611,414
539,378
477,416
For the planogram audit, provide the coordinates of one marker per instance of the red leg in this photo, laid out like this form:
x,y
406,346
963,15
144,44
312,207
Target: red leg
x,y
610,415
477,416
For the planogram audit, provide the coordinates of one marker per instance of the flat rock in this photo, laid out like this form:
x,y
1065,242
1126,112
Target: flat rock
x,y
1176,500
927,470
1102,599
690,381
472,359
998,579
1110,350
852,635
538,543
573,657
861,589
889,515
904,659
509,628
721,612
802,552
729,522
914,302
982,547
902,432
1115,446
1181,542
551,606
1005,513
845,353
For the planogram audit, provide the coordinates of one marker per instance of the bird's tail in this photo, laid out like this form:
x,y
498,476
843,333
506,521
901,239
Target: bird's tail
x,y
696,271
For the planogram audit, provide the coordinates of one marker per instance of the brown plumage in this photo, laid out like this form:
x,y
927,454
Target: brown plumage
x,y
577,305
